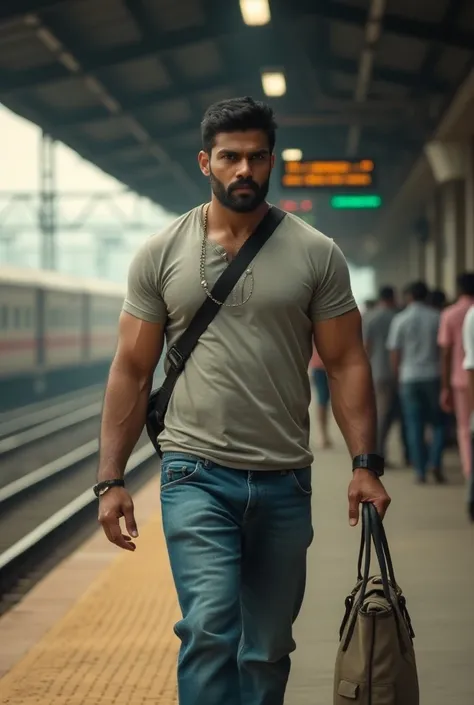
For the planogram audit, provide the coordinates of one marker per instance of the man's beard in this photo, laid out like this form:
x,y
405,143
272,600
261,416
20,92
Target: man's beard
x,y
243,202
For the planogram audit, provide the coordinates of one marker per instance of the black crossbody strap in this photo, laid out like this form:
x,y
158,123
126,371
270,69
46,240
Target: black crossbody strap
x,y
182,349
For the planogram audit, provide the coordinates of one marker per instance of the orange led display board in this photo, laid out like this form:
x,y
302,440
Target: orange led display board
x,y
328,174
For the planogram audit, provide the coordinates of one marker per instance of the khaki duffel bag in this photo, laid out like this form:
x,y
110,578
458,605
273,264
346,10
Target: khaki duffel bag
x,y
375,662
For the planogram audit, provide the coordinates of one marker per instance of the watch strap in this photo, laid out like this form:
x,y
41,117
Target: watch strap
x,y
101,487
369,461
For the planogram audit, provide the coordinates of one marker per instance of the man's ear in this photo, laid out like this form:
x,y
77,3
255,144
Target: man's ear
x,y
203,159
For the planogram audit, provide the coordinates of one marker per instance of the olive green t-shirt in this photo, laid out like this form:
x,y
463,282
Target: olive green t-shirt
x,y
243,397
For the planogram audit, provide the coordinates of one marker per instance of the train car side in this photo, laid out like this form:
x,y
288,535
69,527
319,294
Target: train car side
x,y
57,333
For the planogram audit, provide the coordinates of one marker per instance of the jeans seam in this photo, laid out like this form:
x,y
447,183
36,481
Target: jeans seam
x,y
300,487
249,497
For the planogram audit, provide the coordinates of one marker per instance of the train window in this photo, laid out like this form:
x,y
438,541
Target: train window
x,y
17,317
27,317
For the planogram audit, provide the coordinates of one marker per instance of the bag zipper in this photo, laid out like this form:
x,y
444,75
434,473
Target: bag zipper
x,y
371,659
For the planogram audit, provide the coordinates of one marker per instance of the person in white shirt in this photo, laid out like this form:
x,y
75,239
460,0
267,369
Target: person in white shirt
x,y
468,345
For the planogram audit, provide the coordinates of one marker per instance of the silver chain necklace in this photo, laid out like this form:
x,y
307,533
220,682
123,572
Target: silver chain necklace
x,y
202,270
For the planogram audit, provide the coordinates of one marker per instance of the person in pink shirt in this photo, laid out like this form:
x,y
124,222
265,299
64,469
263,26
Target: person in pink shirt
x,y
320,380
454,379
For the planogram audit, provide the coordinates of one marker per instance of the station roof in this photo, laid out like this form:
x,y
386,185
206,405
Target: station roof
x,y
125,83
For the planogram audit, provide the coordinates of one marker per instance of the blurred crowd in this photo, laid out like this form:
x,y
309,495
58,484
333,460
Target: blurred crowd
x,y
421,350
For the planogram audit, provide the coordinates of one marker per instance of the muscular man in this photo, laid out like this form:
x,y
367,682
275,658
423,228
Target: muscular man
x,y
236,470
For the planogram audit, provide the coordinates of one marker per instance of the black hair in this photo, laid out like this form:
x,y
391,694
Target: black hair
x,y
437,298
465,282
418,291
387,293
237,115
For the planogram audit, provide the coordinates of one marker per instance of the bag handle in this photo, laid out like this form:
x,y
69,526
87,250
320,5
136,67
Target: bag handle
x,y
377,530
372,530
179,353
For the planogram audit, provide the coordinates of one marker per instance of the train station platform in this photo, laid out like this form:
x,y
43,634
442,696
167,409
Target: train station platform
x,y
98,630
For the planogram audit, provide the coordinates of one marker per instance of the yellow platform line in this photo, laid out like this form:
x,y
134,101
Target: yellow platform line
x,y
115,646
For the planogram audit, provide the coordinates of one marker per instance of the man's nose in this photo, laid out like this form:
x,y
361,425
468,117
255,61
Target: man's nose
x,y
244,170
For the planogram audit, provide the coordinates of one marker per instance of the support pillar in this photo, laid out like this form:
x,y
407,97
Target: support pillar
x,y
449,162
469,240
417,259
47,207
433,245
453,234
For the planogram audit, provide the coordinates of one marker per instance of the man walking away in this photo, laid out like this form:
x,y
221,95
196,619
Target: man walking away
x,y
468,341
415,358
376,325
323,397
236,467
455,393
437,299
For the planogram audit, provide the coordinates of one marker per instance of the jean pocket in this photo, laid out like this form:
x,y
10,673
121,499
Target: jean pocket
x,y
302,481
177,471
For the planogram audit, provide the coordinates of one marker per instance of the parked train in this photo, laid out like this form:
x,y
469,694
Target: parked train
x,y
57,333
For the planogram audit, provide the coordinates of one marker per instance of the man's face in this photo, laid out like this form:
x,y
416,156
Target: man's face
x,y
239,169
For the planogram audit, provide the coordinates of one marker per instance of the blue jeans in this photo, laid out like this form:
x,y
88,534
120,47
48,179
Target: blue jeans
x,y
421,408
237,542
321,384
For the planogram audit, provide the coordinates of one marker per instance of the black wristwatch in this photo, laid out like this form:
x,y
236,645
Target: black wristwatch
x,y
369,461
102,487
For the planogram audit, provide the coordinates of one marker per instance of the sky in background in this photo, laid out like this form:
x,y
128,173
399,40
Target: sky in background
x,y
77,251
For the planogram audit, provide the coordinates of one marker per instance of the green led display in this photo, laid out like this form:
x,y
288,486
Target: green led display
x,y
356,201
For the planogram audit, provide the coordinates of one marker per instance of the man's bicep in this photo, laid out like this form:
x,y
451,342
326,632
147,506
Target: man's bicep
x,y
339,339
140,344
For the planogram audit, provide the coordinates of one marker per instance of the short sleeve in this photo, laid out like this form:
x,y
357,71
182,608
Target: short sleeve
x,y
333,294
143,299
395,334
445,334
468,340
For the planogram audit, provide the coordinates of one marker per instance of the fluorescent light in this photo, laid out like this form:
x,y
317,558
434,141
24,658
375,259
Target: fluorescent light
x,y
255,12
274,84
292,155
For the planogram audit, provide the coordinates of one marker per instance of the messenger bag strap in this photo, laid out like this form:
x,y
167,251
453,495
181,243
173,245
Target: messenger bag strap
x,y
179,353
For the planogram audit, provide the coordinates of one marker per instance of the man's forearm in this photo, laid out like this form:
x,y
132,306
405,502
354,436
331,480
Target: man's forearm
x,y
123,418
353,404
446,367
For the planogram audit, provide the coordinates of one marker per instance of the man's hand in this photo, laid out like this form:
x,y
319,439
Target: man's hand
x,y
365,486
446,400
113,505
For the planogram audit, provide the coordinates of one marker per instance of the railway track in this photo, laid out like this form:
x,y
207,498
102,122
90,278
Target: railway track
x,y
47,512
27,417
47,506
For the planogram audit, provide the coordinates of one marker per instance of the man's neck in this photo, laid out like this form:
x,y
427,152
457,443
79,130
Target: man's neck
x,y
234,225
